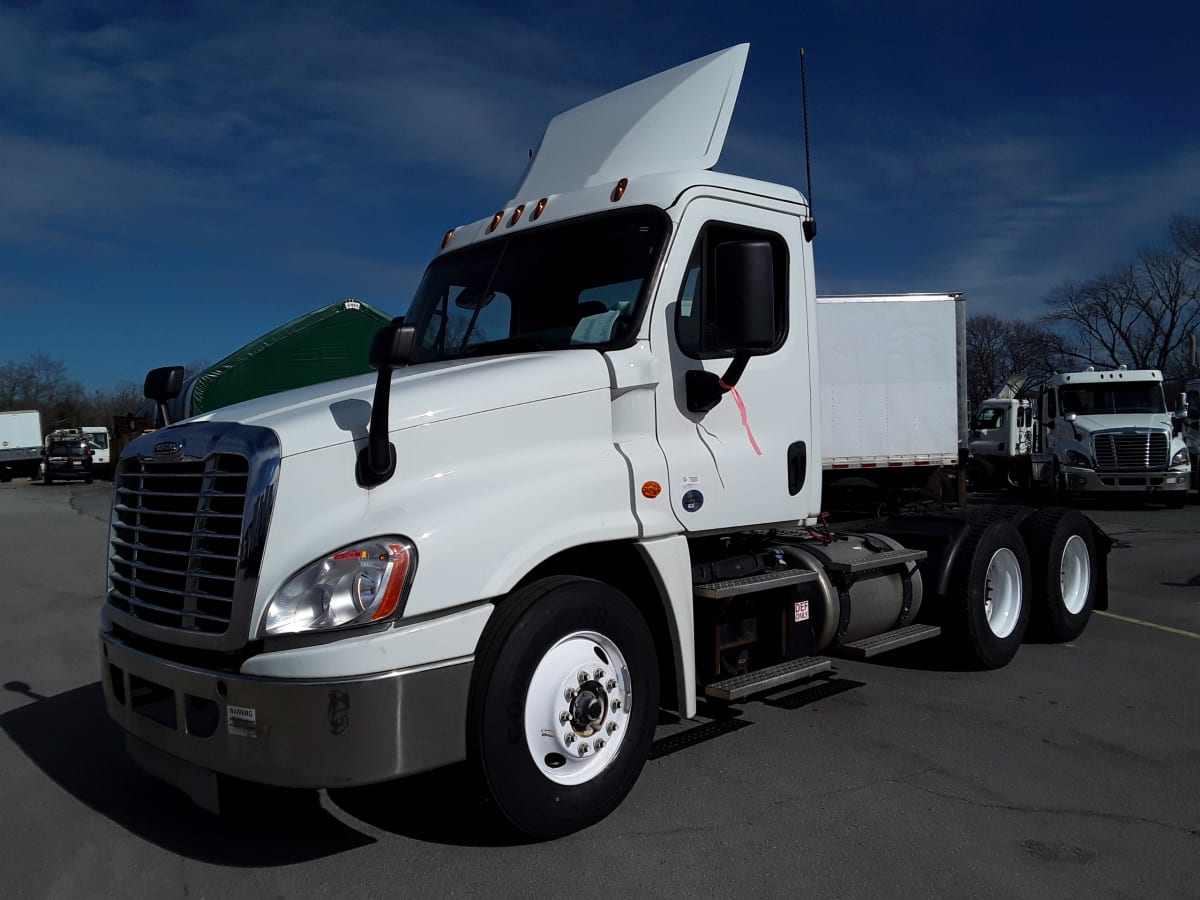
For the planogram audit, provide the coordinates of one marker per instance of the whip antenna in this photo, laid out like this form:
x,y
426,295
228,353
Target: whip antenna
x,y
810,224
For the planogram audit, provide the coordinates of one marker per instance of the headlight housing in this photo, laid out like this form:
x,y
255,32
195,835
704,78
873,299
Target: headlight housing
x,y
1075,458
365,582
1180,458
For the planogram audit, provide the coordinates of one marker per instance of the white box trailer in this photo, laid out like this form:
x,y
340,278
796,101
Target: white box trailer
x,y
20,443
893,385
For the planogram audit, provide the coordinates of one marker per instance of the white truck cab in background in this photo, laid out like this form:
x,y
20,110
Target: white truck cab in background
x,y
1091,432
585,484
1191,428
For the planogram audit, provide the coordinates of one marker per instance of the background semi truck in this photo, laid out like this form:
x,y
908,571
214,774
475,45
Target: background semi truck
x,y
585,485
1097,432
20,443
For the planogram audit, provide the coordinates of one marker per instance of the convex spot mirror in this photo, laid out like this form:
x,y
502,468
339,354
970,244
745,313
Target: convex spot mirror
x,y
163,384
392,346
744,291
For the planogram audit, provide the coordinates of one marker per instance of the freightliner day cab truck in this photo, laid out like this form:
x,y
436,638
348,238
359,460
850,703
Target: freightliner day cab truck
x,y
1094,432
585,485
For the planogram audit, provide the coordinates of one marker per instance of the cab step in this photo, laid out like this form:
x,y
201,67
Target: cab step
x,y
767,679
731,587
890,640
873,561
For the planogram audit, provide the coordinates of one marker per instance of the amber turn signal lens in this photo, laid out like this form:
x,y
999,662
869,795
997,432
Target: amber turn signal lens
x,y
619,190
651,489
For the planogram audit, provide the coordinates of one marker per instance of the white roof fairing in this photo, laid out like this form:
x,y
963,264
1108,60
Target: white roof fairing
x,y
673,121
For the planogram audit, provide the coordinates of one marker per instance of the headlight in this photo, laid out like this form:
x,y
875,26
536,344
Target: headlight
x,y
364,582
1180,458
1075,458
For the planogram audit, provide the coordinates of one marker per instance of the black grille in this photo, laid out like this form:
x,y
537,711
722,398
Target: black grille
x,y
176,541
1131,451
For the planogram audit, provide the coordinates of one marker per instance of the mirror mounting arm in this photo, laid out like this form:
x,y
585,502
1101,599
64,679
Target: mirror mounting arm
x,y
391,349
705,389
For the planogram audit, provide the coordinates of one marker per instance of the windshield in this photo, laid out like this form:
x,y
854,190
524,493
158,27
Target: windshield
x,y
98,439
991,417
1112,397
574,285
67,448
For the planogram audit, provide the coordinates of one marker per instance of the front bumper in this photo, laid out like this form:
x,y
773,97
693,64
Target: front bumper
x,y
1130,482
291,733
67,472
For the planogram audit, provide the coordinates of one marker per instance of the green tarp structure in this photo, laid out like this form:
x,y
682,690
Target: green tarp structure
x,y
326,344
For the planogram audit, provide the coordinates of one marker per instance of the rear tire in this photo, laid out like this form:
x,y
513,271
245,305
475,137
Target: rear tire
x,y
989,595
1062,551
527,676
46,479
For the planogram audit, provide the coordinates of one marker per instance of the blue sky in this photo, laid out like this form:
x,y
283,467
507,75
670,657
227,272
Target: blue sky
x,y
177,178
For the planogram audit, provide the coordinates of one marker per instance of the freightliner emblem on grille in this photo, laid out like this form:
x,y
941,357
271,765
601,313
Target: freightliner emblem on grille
x,y
168,448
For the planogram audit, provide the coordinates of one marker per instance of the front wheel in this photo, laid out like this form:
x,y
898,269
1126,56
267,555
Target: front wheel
x,y
563,705
990,587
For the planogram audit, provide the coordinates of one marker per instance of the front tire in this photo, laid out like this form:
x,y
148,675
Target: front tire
x,y
1176,499
1062,551
563,705
990,585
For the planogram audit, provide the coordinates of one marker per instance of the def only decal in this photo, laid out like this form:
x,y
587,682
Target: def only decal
x,y
692,501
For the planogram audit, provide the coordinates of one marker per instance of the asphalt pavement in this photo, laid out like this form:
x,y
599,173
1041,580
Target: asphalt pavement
x,y
1073,772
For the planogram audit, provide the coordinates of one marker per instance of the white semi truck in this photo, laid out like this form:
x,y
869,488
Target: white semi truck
x,y
585,486
1191,428
1093,432
20,443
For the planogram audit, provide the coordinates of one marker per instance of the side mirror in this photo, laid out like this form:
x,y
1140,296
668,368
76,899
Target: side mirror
x,y
161,385
1181,407
744,293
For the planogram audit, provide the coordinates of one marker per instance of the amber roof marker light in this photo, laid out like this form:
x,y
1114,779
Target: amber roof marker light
x,y
516,216
539,209
446,239
619,190
496,220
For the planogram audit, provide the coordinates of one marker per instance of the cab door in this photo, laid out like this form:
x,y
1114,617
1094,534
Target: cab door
x,y
753,458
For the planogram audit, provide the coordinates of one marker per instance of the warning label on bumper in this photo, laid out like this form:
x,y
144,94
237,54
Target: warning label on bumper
x,y
241,721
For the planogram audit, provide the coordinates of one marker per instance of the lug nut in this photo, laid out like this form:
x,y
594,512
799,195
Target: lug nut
x,y
598,674
583,677
616,704
611,684
570,693
612,726
583,749
564,717
569,738
599,744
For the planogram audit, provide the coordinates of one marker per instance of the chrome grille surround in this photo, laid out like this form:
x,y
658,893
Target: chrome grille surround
x,y
1131,450
191,509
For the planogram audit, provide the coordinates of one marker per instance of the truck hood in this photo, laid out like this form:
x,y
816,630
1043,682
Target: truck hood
x,y
337,412
1091,424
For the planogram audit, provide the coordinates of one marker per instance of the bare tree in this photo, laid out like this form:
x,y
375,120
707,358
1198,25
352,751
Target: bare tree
x,y
997,349
1141,314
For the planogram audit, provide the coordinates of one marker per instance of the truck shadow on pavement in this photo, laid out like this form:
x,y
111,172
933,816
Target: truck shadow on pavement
x,y
445,806
71,739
